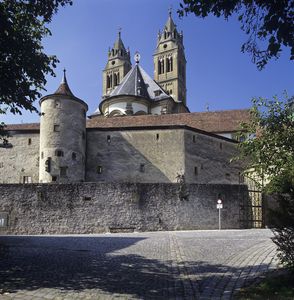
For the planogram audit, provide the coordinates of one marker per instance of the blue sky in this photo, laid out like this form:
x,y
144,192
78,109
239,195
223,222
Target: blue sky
x,y
218,74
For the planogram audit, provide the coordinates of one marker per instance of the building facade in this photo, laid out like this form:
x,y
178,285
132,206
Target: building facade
x,y
142,130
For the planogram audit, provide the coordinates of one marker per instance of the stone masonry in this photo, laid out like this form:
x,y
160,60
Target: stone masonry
x,y
104,207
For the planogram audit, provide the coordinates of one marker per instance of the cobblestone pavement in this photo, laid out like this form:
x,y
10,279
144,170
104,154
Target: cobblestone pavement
x,y
161,265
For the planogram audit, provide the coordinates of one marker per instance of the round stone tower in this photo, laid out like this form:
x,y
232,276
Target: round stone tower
x,y
62,136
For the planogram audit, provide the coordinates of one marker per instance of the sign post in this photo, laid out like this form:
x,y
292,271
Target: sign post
x,y
219,206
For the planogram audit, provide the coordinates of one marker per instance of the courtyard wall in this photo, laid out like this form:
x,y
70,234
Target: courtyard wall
x,y
110,207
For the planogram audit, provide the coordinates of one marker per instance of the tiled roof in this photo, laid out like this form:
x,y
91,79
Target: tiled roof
x,y
138,83
215,122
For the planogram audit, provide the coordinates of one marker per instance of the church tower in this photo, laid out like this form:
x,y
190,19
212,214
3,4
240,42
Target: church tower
x,y
118,65
170,61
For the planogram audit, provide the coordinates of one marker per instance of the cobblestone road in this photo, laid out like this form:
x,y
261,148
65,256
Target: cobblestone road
x,y
161,265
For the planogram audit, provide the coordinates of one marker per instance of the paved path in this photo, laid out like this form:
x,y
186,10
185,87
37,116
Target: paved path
x,y
161,265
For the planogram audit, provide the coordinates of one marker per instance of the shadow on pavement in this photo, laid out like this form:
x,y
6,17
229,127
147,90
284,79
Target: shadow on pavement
x,y
79,263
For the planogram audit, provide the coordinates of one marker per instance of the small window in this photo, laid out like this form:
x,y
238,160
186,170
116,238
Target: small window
x,y
142,168
86,198
29,141
56,128
99,170
3,219
27,179
108,139
194,138
221,146
42,155
59,153
54,178
63,171
74,156
157,136
83,135
1,164
57,104
196,171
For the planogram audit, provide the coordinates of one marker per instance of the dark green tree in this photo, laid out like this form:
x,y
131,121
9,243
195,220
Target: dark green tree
x,y
269,24
270,157
23,63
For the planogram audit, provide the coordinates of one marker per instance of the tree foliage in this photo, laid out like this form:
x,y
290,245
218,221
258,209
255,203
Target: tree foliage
x,y
271,158
23,64
269,24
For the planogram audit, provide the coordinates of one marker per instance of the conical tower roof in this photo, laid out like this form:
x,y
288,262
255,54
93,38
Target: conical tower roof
x,y
63,88
170,25
119,45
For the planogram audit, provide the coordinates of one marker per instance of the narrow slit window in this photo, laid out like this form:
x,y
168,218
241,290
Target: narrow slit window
x,y
195,171
157,136
74,156
108,139
221,146
29,141
142,168
99,170
194,138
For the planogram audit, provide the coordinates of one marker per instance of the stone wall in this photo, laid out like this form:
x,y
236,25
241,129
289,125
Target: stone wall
x,y
19,160
135,155
103,207
208,159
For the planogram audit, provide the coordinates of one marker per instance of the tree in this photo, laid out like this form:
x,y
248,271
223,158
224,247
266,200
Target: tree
x,y
271,158
23,64
268,23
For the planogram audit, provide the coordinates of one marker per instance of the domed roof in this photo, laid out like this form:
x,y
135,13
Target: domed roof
x,y
138,83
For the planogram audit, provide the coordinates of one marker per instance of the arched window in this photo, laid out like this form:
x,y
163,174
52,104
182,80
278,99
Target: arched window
x,y
114,79
159,67
171,63
108,81
167,65
118,78
162,66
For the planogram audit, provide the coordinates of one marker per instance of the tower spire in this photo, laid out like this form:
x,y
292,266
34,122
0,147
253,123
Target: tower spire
x,y
64,81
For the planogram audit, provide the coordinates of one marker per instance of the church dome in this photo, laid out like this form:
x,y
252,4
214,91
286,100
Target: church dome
x,y
134,94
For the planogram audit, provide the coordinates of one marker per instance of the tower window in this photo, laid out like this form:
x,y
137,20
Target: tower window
x,y
42,155
142,168
115,80
1,165
54,178
196,171
59,153
194,138
108,81
108,139
157,136
83,135
74,156
57,104
29,141
56,128
99,169
63,171
221,146
27,179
